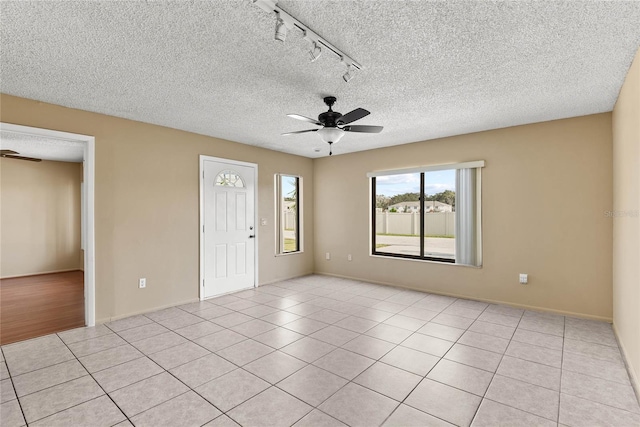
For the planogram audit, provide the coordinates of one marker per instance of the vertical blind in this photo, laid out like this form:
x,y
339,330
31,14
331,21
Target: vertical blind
x,y
467,224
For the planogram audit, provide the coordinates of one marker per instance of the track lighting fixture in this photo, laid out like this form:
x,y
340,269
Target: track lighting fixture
x,y
315,51
286,22
281,29
348,75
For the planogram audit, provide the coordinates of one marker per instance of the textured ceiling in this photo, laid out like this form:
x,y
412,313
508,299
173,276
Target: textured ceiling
x,y
56,149
430,69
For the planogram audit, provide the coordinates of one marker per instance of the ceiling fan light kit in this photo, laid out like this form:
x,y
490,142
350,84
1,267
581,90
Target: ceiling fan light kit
x,y
331,135
286,22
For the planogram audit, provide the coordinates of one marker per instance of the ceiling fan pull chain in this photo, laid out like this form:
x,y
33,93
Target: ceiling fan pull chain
x,y
330,148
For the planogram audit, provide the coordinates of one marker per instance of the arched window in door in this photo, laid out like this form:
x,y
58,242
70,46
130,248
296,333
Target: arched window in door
x,y
229,178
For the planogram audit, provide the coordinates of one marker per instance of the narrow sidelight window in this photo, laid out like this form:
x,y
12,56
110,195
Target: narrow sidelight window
x,y
288,214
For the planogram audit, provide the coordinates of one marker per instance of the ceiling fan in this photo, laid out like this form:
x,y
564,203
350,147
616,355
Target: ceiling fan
x,y
334,124
10,154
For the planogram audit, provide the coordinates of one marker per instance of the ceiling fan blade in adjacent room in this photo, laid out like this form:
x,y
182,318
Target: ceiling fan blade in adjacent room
x,y
8,152
363,128
31,159
354,115
300,131
304,119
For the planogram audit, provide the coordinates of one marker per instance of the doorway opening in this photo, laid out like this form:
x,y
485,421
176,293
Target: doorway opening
x,y
53,289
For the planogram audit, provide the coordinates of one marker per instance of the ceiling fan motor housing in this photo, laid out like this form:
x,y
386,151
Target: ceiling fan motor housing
x,y
329,118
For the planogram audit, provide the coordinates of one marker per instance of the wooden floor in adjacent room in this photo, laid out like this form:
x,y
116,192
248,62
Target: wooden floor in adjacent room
x,y
33,306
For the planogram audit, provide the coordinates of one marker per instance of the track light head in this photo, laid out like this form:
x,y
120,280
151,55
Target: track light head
x,y
281,29
315,51
286,22
349,74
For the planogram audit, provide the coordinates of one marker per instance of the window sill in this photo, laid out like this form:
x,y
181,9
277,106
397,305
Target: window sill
x,y
289,253
425,260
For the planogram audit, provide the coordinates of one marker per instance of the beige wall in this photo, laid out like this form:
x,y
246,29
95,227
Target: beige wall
x,y
40,217
626,222
545,189
146,205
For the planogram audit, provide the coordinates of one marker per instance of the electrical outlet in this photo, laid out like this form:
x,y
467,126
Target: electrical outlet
x,y
349,258
142,283
328,256
524,278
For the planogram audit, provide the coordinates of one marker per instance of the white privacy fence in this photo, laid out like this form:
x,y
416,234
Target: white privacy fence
x,y
435,223
289,220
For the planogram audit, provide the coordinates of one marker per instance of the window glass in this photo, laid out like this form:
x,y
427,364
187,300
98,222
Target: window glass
x,y
288,197
397,217
229,178
439,218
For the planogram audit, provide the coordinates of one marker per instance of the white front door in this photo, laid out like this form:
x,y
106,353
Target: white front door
x,y
228,226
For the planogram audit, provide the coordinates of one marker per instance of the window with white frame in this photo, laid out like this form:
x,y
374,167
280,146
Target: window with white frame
x,y
288,214
428,213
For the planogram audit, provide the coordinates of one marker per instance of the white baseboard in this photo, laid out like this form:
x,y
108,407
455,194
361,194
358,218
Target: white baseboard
x,y
633,376
510,304
282,279
44,272
151,310
135,313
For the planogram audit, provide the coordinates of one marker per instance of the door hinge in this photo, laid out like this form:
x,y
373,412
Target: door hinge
x,y
203,228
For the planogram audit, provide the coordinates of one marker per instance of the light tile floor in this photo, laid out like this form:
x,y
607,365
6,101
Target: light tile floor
x,y
323,351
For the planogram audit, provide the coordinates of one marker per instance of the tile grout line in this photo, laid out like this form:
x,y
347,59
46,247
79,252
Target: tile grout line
x,y
429,371
225,413
496,371
178,379
163,371
564,334
562,370
144,355
307,364
97,383
309,335
359,334
457,342
14,388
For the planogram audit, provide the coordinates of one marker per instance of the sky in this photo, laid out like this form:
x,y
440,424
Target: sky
x,y
435,182
288,185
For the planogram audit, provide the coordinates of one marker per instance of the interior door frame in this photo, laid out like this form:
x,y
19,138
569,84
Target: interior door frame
x,y
204,158
88,172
